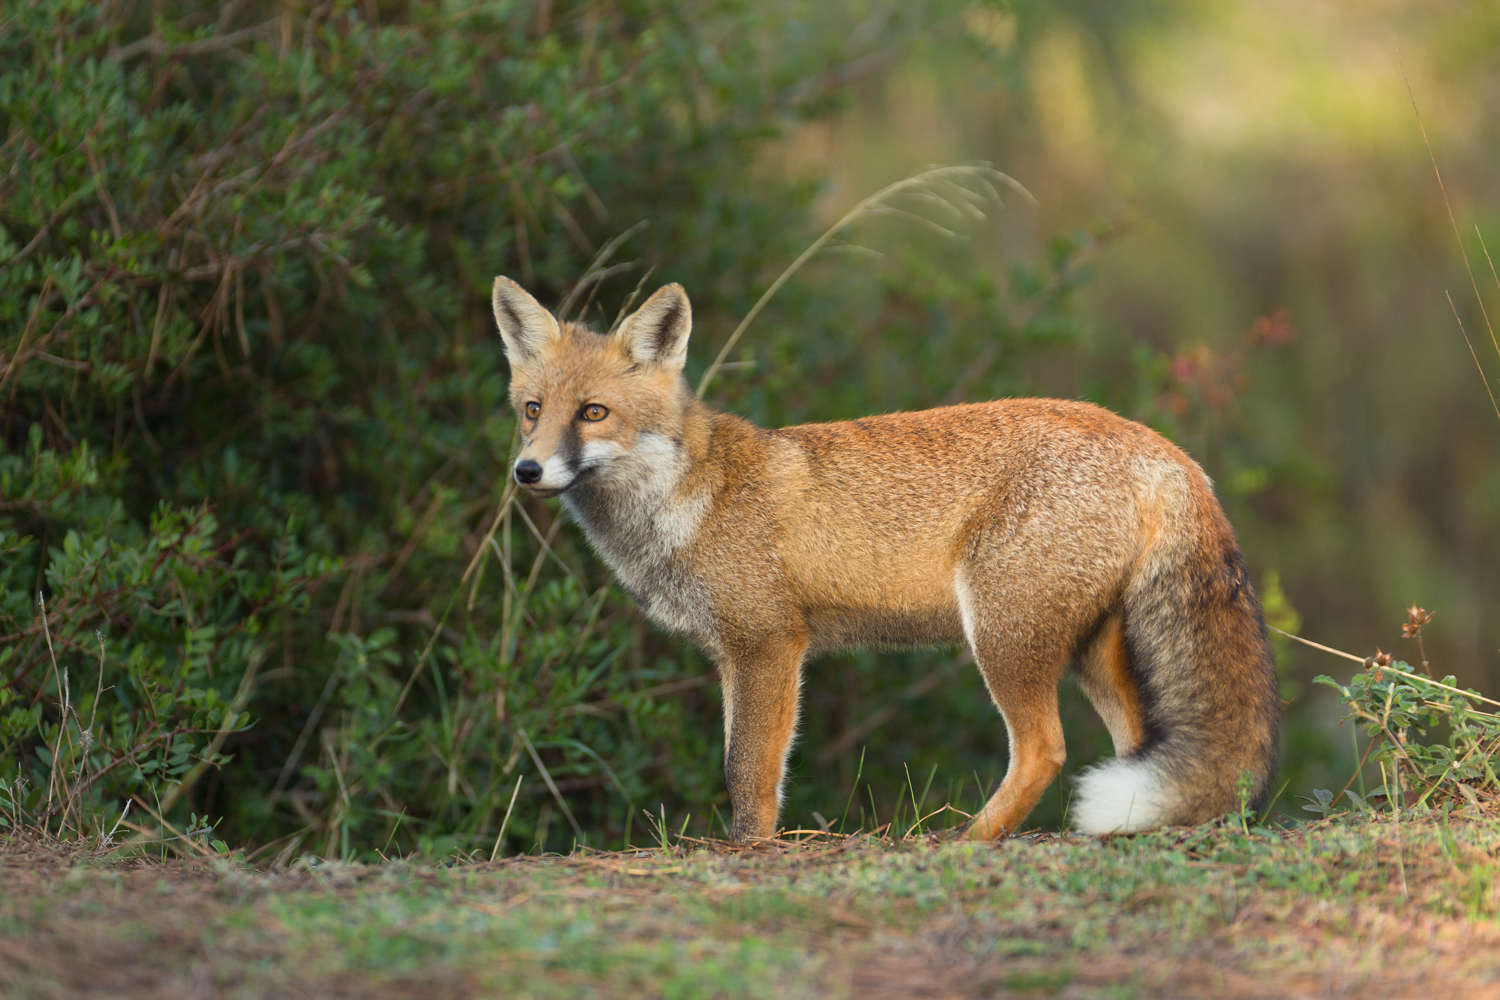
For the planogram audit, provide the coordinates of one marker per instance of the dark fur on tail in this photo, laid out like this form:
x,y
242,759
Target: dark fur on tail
x,y
1196,644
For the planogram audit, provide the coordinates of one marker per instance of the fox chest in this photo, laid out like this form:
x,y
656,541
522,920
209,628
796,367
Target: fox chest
x,y
643,550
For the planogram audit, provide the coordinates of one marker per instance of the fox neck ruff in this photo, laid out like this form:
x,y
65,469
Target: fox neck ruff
x,y
645,513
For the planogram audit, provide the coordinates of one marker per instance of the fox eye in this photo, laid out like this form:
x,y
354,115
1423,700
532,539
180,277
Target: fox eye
x,y
595,412
533,410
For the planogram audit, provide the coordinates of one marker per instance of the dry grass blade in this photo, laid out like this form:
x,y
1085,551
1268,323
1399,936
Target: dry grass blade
x,y
500,837
146,834
1482,376
630,299
295,756
546,550
1488,259
597,271
421,663
545,541
1473,283
483,550
1387,669
62,724
920,824
551,785
479,553
930,184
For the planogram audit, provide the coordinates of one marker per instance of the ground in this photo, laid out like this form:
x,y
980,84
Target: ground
x,y
1348,908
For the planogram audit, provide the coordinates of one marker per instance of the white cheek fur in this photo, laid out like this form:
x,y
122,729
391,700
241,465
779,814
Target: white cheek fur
x,y
555,474
601,450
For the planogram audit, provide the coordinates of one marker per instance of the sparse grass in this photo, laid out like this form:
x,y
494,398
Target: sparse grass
x,y
1314,911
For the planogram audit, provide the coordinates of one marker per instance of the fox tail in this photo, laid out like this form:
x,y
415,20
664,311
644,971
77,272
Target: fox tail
x,y
1195,643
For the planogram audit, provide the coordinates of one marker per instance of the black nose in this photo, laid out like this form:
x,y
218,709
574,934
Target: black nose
x,y
528,472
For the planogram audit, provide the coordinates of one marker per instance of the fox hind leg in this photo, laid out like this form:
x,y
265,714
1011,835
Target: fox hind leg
x,y
1106,677
1022,667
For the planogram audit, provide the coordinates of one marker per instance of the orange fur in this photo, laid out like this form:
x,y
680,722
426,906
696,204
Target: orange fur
x,y
1043,533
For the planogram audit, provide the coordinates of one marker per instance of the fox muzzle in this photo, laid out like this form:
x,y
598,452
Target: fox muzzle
x,y
528,472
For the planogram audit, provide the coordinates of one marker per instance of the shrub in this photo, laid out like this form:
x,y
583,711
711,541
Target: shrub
x,y
254,446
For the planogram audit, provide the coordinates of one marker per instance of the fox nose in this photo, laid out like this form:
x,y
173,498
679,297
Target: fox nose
x,y
528,471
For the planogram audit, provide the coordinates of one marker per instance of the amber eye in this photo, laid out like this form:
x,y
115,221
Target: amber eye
x,y
533,410
595,412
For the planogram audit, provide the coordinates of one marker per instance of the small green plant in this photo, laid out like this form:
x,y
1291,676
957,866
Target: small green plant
x,y
1433,741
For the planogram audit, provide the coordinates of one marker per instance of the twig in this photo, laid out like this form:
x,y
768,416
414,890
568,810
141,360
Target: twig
x,y
297,748
17,358
147,834
1029,310
1357,769
103,191
849,737
605,705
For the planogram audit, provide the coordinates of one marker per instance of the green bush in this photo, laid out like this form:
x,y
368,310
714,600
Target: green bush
x,y
255,434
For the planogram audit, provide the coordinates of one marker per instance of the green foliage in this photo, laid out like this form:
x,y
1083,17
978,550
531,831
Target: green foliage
x,y
1432,743
255,432
184,614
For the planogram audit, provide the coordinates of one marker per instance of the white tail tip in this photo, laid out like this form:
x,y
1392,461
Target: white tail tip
x,y
1121,796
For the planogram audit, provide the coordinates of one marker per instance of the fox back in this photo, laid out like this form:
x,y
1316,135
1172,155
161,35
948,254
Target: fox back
x,y
1045,534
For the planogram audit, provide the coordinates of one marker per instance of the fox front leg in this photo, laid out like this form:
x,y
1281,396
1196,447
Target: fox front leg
x,y
761,687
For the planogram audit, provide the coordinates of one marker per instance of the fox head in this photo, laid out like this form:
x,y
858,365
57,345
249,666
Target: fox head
x,y
594,407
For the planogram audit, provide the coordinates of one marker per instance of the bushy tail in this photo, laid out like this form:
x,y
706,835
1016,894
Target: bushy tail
x,y
1197,650
1123,796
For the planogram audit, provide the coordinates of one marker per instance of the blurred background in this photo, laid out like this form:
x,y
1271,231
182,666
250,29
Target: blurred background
x,y
255,432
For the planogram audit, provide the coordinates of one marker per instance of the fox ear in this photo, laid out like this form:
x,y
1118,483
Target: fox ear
x,y
524,325
657,332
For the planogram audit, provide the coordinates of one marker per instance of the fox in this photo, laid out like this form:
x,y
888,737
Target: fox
x,y
1048,535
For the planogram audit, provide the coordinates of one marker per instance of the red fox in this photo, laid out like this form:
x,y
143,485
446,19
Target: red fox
x,y
1042,533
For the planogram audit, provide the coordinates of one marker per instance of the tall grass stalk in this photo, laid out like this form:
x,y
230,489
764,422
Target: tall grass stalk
x,y
939,187
1463,251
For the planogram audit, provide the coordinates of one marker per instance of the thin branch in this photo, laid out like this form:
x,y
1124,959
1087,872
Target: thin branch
x,y
155,44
